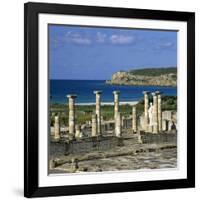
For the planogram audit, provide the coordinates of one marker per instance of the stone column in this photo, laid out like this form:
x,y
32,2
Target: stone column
x,y
146,106
94,125
98,110
118,125
71,115
116,103
155,113
57,128
159,111
134,119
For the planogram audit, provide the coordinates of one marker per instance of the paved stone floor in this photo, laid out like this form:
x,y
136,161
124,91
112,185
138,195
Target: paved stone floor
x,y
160,159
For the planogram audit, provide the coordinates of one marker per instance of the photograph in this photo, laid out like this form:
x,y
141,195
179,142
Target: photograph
x,y
108,99
112,99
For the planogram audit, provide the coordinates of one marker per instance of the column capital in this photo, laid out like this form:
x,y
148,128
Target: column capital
x,y
116,92
72,96
153,94
56,116
97,92
158,92
145,92
77,127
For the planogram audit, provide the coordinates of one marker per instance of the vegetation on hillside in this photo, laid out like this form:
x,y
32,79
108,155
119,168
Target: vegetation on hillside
x,y
84,113
154,71
145,77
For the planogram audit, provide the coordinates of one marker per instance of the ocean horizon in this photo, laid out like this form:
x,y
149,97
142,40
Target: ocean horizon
x,y
85,96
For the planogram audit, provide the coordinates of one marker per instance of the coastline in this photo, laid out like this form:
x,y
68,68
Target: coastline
x,y
84,91
109,82
108,103
131,103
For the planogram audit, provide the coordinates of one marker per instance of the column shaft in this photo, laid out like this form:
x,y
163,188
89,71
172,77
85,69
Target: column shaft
x,y
72,115
155,113
159,113
116,103
118,125
56,128
98,110
134,119
94,125
146,106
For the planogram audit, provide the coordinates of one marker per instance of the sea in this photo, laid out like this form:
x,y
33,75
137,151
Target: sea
x,y
84,91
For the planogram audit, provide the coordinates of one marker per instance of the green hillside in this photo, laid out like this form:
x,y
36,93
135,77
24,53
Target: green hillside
x,y
154,71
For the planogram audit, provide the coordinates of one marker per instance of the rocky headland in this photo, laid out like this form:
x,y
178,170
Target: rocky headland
x,y
146,77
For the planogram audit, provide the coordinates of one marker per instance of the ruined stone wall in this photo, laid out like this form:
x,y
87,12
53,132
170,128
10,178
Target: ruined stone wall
x,y
83,145
57,149
93,144
149,138
127,122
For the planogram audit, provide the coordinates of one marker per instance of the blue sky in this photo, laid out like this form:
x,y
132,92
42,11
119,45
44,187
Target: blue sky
x,y
94,53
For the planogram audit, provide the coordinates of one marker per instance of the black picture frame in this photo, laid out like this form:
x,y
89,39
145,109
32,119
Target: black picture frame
x,y
31,12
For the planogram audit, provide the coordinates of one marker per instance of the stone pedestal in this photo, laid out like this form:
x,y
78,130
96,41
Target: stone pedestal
x,y
98,110
94,125
52,164
57,128
165,125
74,165
170,125
71,115
78,133
139,138
134,119
146,106
116,103
118,125
150,129
155,113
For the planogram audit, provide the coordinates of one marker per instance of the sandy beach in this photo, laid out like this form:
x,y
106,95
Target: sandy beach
x,y
108,103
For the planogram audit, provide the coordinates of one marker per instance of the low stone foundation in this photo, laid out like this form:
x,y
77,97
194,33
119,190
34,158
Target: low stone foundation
x,y
84,145
150,138
92,144
56,149
106,143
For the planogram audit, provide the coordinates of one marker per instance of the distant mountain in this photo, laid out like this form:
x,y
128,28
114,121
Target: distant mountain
x,y
146,77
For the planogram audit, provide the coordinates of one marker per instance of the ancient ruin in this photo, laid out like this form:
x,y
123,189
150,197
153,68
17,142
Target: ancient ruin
x,y
151,126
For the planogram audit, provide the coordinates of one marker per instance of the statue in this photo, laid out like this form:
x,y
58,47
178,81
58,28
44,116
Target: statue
x,y
150,113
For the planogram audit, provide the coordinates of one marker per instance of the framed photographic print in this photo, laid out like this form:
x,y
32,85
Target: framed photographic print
x,y
109,99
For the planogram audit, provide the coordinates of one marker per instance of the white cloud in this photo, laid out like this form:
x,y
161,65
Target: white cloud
x,y
121,39
101,37
77,38
167,44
